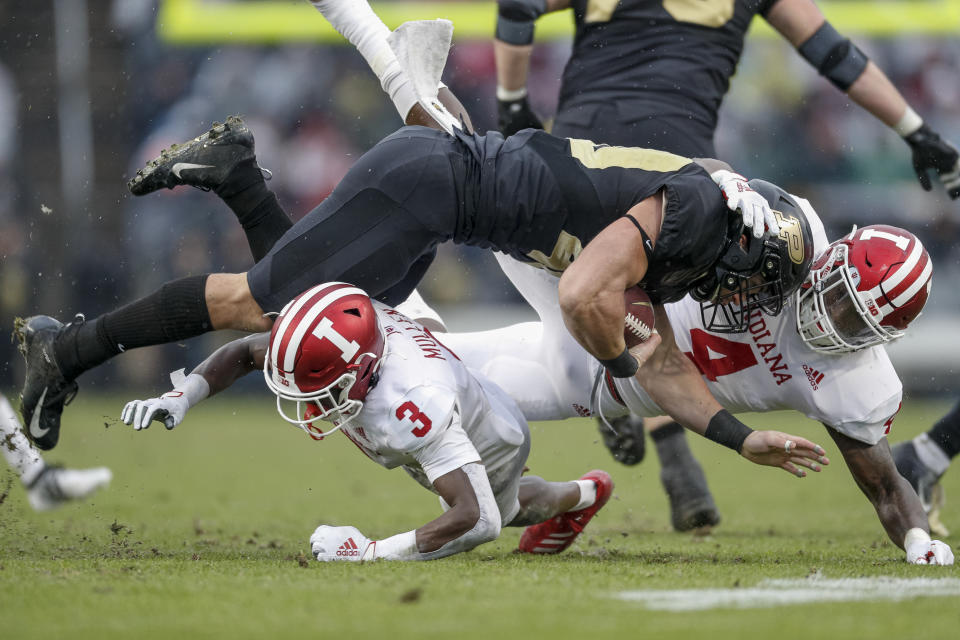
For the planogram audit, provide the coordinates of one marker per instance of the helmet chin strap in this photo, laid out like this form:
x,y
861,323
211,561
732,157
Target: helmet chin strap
x,y
344,418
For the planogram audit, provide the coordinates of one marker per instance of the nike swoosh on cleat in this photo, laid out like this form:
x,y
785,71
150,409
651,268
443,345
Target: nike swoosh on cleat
x,y
35,431
181,166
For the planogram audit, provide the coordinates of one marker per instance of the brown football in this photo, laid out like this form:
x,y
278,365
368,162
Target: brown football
x,y
638,316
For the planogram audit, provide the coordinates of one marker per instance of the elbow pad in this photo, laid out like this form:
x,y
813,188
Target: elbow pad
x,y
515,20
835,57
488,524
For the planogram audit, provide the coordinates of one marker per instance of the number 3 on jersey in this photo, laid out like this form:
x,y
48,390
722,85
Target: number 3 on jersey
x,y
733,356
410,411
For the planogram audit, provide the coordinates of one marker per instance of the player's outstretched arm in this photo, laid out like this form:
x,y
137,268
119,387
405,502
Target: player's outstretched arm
x,y
512,48
225,366
472,519
897,505
675,384
840,61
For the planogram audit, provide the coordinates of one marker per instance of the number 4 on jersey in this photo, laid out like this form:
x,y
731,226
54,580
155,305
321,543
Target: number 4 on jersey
x,y
716,356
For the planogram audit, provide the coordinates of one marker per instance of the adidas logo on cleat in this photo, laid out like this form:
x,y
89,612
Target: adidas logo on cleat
x,y
348,549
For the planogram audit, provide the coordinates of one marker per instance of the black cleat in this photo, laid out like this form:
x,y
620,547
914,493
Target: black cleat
x,y
45,390
625,438
204,162
691,503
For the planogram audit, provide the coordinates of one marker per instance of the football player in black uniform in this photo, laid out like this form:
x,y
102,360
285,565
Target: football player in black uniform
x,y
628,216
653,73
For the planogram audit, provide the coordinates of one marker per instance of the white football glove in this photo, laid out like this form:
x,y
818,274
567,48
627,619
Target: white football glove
x,y
170,408
332,544
922,550
753,207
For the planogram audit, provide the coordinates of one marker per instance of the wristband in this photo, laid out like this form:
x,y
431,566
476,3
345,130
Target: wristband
x,y
909,123
623,366
724,429
914,536
402,546
511,95
193,388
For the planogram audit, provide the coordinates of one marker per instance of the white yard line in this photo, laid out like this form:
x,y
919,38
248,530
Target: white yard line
x,y
772,593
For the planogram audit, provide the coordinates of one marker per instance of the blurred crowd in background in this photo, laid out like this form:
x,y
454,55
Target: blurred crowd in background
x,y
315,109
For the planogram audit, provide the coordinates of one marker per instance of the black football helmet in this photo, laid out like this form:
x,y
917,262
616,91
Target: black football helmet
x,y
757,274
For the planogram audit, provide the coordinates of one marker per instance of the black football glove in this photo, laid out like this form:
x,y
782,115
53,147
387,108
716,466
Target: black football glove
x,y
930,151
514,115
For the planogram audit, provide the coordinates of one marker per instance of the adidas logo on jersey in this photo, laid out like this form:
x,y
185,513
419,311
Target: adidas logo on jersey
x,y
813,376
348,548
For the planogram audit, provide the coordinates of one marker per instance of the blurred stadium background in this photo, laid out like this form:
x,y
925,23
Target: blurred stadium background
x,y
91,89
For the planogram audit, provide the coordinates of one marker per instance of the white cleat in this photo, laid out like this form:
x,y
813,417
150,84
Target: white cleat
x,y
55,486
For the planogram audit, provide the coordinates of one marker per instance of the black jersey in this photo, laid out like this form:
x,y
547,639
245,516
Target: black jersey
x,y
541,199
665,60
535,196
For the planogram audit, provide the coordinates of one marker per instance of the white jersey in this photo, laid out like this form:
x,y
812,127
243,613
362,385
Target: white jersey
x,y
430,414
767,368
770,368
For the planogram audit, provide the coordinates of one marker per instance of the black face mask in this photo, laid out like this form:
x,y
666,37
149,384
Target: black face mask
x,y
745,280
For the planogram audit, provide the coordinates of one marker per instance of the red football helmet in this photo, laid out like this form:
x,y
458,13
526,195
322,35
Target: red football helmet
x,y
325,350
864,290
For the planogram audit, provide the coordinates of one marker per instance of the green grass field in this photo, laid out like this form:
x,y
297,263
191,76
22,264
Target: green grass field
x,y
204,533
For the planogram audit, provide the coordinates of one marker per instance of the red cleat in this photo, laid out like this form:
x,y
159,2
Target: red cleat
x,y
559,532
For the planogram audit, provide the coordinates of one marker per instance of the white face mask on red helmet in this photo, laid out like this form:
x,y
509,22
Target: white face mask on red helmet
x,y
864,290
324,353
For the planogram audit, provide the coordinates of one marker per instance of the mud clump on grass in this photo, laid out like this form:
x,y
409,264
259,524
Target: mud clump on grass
x,y
413,595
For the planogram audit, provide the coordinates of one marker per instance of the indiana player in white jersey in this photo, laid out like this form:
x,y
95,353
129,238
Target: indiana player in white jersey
x,y
405,400
822,356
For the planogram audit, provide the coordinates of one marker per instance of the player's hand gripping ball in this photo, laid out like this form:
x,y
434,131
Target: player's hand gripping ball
x,y
638,316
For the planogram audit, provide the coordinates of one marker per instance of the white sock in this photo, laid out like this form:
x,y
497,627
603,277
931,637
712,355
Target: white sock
x,y
931,455
588,494
19,453
357,22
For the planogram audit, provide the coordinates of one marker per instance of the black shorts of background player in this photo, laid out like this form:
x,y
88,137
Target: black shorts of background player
x,y
628,216
654,74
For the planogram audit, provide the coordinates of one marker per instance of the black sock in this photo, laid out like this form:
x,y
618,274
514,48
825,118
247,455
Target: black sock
x,y
176,311
666,431
263,219
670,441
946,432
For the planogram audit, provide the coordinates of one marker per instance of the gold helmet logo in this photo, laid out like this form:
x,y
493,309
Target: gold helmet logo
x,y
791,233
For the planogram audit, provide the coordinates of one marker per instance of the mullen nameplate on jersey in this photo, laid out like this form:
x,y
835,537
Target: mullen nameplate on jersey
x,y
792,234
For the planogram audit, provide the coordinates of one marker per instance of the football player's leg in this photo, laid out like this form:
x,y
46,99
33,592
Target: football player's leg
x,y
222,160
511,358
47,486
691,503
357,22
557,512
56,354
386,215
403,290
